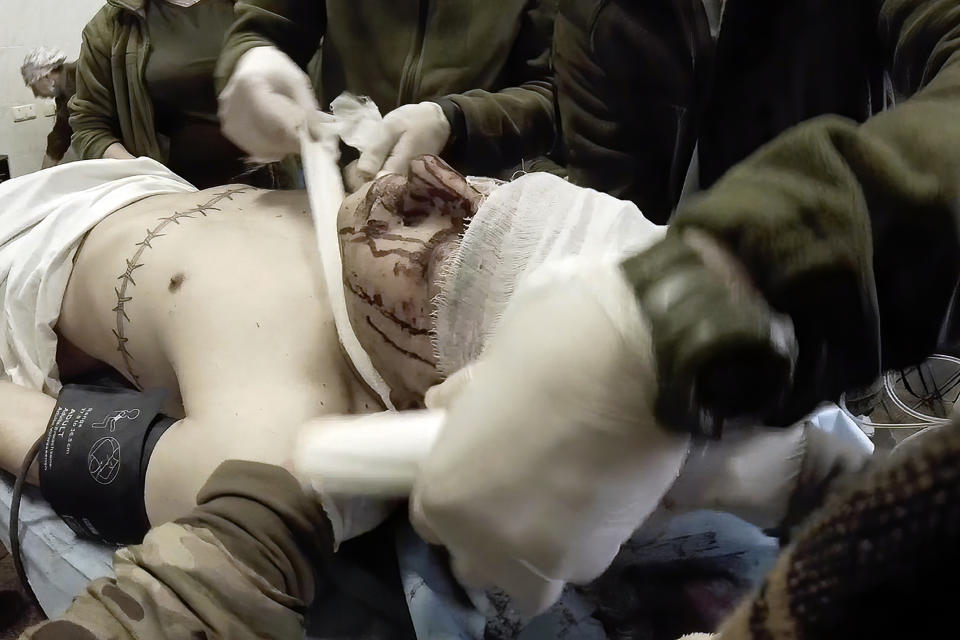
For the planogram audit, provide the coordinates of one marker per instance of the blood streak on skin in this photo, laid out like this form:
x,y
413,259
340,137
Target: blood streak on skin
x,y
409,354
409,201
377,302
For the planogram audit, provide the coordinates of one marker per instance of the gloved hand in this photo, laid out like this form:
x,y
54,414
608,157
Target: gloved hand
x,y
550,456
266,100
723,354
770,477
357,467
405,133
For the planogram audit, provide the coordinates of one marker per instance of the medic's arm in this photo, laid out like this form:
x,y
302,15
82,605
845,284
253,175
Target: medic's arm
x,y
295,27
851,229
240,565
493,130
93,110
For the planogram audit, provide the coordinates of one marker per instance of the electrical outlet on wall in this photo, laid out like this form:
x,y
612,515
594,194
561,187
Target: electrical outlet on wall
x,y
47,108
23,112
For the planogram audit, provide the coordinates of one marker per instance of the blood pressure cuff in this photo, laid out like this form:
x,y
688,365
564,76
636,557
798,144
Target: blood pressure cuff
x,y
94,460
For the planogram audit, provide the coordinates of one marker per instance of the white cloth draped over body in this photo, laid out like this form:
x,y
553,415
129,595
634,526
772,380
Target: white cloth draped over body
x,y
43,218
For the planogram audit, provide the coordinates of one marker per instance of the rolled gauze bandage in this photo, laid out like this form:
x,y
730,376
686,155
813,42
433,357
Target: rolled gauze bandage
x,y
374,455
319,150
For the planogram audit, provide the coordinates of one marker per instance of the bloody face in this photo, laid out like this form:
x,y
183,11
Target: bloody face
x,y
395,234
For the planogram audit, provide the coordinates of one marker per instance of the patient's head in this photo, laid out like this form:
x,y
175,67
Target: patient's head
x,y
395,234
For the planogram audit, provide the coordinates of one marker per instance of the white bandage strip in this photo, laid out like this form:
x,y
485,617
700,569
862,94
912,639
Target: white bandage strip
x,y
325,192
374,455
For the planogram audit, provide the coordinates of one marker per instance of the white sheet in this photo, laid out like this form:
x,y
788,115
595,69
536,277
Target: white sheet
x,y
43,217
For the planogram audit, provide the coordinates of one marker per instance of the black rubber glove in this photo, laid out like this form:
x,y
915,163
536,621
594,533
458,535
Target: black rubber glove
x,y
722,354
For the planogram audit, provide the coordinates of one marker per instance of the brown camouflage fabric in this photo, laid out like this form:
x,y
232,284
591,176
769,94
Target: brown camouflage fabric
x,y
241,565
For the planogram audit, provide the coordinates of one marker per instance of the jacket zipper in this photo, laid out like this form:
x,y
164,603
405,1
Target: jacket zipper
x,y
411,66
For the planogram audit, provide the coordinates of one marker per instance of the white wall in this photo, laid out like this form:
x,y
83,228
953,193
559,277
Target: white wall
x,y
25,24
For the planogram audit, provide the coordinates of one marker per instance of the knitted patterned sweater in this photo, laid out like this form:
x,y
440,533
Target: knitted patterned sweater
x,y
879,560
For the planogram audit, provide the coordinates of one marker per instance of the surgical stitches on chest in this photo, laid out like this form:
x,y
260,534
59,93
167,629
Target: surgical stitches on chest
x,y
127,278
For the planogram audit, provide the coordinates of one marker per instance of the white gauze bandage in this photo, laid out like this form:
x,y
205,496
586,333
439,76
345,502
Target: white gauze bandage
x,y
353,121
522,225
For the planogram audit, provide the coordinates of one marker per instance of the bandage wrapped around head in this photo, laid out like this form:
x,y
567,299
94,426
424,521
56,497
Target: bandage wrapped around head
x,y
524,224
40,62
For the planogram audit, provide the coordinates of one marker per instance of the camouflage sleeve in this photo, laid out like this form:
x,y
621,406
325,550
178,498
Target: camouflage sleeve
x,y
241,565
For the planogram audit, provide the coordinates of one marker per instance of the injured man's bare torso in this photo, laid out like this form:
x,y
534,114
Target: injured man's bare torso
x,y
218,296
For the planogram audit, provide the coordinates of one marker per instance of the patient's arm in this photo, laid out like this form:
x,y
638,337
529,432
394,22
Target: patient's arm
x,y
24,417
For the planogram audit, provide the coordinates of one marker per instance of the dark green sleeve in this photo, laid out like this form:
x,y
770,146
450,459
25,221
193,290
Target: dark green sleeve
x,y
852,229
493,130
293,26
58,140
629,129
93,111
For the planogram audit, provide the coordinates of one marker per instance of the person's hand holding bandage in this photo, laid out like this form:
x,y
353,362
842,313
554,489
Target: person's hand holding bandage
x,y
550,446
405,133
267,99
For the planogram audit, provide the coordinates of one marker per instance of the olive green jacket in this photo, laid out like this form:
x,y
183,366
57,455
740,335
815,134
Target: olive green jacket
x,y
112,103
850,228
58,140
486,63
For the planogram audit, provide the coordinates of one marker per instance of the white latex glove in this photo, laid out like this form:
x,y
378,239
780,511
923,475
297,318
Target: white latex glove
x,y
759,474
405,133
117,151
357,466
267,99
550,456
